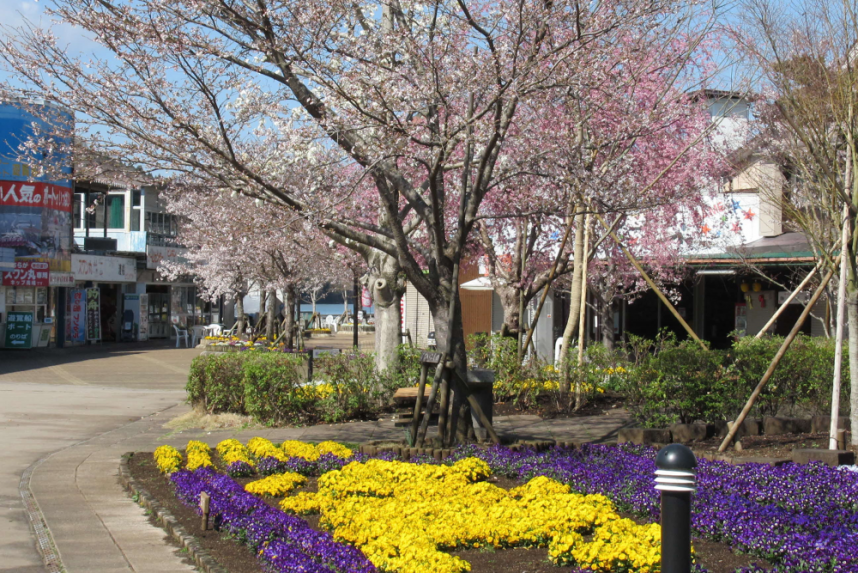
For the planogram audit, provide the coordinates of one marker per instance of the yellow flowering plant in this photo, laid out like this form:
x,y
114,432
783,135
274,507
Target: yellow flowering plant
x,y
276,485
232,450
404,517
168,459
199,455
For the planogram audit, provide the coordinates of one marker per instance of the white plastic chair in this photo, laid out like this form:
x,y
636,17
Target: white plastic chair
x,y
214,330
197,332
181,334
330,321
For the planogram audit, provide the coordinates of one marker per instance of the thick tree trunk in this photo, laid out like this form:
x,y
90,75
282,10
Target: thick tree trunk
x,y
574,302
459,421
289,322
510,302
271,320
387,288
239,314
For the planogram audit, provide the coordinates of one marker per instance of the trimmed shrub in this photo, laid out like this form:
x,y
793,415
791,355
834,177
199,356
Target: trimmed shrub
x,y
273,391
271,386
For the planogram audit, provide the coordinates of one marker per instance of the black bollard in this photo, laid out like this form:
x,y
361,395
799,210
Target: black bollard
x,y
676,480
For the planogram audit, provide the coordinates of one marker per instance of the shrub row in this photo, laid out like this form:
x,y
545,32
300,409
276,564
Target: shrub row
x,y
272,387
666,380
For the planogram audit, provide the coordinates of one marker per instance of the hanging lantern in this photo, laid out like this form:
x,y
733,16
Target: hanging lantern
x,y
744,287
758,286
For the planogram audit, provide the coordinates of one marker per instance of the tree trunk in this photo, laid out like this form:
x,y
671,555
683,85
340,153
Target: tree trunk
x,y
852,313
574,302
510,302
606,311
271,320
387,288
239,313
289,322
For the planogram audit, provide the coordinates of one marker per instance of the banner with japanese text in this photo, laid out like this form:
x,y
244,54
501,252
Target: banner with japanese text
x,y
76,315
93,314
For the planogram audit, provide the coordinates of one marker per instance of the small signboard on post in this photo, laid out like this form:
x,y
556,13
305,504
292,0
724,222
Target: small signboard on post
x,y
93,314
19,330
430,357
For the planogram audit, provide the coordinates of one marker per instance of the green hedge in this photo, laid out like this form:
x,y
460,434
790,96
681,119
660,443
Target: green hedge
x,y
272,388
669,381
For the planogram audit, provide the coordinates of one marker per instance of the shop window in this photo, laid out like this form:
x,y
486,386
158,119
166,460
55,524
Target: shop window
x,y
78,210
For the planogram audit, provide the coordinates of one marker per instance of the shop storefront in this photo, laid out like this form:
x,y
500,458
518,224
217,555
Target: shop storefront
x,y
94,306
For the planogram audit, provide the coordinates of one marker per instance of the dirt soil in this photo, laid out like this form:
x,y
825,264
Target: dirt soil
x,y
237,558
779,446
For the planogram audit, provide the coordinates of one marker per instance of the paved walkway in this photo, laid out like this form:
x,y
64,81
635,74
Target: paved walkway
x,y
66,416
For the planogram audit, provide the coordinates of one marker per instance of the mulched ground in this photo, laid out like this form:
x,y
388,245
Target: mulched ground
x,y
237,558
547,407
778,446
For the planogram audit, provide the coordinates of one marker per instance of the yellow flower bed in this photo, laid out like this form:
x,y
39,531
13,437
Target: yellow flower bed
x,y
262,448
199,455
404,516
338,450
619,545
232,450
309,452
276,485
168,459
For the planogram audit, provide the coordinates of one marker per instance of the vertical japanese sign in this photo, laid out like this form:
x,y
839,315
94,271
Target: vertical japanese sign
x,y
143,329
76,314
19,330
93,314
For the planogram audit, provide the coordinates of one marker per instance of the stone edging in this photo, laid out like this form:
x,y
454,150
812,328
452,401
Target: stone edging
x,y
165,519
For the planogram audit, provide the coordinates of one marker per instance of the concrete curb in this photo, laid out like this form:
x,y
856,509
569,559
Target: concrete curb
x,y
38,527
165,519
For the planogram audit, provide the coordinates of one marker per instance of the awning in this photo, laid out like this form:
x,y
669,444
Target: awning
x,y
481,283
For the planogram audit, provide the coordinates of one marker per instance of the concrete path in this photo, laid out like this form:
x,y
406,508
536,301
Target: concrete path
x,y
66,417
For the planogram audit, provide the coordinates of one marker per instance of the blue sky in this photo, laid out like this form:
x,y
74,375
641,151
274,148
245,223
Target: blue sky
x,y
17,12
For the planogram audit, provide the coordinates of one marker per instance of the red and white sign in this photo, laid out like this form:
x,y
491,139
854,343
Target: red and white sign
x,y
365,298
28,273
35,194
104,269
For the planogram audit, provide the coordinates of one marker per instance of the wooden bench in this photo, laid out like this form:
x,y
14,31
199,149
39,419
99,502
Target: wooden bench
x,y
405,396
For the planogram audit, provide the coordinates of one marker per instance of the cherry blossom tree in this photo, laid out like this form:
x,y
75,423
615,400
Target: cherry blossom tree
x,y
280,100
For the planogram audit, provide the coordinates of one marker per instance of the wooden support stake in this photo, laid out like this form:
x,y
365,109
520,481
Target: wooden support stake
x,y
777,359
421,387
652,284
797,290
205,501
430,402
582,312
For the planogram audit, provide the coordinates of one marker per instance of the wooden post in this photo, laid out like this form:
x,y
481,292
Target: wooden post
x,y
421,387
777,359
205,501
652,284
430,402
841,320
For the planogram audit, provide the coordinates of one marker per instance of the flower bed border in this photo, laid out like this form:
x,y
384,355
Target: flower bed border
x,y
165,519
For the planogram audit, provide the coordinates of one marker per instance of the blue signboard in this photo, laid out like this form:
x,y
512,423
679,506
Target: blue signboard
x,y
35,212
